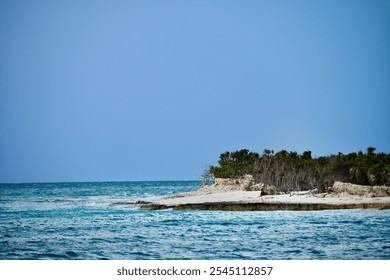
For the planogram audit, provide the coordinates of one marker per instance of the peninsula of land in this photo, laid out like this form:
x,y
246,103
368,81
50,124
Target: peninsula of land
x,y
235,198
245,180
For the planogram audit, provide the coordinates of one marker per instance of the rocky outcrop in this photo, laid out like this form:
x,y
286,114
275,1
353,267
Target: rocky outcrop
x,y
353,189
228,184
245,183
240,184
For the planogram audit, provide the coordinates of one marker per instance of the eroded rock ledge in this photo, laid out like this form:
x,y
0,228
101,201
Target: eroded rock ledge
x,y
234,196
230,206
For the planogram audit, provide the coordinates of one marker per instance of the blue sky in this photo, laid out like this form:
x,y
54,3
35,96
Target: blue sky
x,y
156,90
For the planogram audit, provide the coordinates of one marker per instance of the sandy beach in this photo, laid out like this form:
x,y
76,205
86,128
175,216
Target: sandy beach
x,y
252,200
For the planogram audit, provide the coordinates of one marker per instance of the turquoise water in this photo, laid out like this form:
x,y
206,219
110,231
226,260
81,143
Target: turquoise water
x,y
99,221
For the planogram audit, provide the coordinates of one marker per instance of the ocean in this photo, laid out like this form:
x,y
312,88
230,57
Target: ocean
x,y
99,220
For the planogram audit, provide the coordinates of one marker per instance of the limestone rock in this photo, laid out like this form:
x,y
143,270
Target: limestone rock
x,y
381,190
268,190
245,183
353,189
228,184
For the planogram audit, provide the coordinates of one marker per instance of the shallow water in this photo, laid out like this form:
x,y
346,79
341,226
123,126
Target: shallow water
x,y
99,221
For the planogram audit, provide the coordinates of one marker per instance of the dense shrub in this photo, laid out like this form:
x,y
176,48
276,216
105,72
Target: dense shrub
x,y
292,171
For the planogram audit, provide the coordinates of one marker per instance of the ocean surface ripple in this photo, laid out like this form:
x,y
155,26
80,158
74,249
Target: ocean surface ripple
x,y
100,220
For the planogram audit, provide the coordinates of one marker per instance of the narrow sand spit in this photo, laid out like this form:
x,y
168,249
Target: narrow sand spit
x,y
253,197
251,200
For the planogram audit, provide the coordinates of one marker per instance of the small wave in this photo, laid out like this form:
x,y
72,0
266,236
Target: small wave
x,y
49,256
121,203
143,255
71,254
138,238
170,222
57,199
315,252
318,222
99,240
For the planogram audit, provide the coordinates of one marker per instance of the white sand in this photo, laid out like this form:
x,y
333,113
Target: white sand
x,y
253,197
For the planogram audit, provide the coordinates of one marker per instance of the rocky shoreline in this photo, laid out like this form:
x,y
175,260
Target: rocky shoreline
x,y
229,206
229,198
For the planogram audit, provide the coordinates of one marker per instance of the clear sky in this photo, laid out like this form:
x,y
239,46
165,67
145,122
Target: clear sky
x,y
155,90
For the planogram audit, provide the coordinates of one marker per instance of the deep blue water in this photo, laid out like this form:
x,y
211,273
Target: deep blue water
x,y
97,221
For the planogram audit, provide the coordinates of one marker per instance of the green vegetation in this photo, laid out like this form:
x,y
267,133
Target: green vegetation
x,y
289,171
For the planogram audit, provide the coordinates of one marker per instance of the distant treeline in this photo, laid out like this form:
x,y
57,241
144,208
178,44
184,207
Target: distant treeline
x,y
289,171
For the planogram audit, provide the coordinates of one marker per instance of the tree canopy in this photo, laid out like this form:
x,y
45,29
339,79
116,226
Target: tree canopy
x,y
293,171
